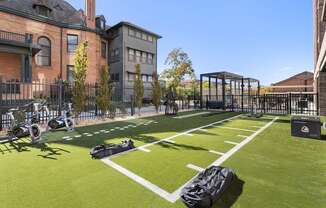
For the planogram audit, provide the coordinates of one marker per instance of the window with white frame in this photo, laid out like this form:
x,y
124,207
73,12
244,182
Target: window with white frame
x,y
144,36
150,78
144,77
131,54
138,56
131,32
144,57
150,58
150,38
138,34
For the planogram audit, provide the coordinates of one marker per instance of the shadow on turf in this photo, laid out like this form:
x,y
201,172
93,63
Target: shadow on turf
x,y
24,145
231,195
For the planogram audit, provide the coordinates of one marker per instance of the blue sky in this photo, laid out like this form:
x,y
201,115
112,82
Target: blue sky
x,y
266,39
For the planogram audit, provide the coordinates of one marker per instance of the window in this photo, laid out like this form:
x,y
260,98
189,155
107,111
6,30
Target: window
x,y
72,43
144,36
70,70
131,55
138,55
144,78
150,38
131,32
138,34
103,49
42,11
131,77
150,78
144,57
43,58
115,77
150,58
102,24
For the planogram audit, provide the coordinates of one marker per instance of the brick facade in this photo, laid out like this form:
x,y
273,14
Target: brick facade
x,y
11,63
305,80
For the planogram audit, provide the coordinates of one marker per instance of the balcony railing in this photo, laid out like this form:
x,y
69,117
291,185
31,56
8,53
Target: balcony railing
x,y
15,37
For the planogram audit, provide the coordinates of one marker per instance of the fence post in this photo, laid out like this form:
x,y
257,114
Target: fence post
x,y
206,102
290,103
264,103
317,103
132,107
60,97
96,94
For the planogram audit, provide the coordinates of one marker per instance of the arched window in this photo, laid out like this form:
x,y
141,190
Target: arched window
x,y
43,58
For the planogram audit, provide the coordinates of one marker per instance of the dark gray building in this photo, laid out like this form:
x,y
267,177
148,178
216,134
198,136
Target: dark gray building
x,y
130,45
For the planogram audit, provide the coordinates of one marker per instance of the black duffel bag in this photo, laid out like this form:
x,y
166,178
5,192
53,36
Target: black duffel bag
x,y
207,187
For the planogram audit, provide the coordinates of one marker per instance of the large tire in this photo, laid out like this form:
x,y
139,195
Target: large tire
x,y
35,132
53,124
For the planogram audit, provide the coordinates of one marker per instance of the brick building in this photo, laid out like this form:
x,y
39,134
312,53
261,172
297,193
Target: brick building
x,y
38,39
302,82
319,7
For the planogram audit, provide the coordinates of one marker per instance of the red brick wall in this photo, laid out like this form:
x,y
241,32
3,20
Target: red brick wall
x,y
10,66
298,80
22,25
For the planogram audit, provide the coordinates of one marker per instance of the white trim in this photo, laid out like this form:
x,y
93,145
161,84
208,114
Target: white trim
x,y
230,142
216,153
195,167
143,149
191,115
239,129
203,130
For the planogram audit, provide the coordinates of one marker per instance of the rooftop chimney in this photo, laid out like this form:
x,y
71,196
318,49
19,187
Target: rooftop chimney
x,y
90,13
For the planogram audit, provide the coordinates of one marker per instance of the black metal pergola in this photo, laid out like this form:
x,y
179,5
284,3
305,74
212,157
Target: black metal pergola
x,y
227,88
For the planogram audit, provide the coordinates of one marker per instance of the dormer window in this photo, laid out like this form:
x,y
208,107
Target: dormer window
x,y
100,23
42,10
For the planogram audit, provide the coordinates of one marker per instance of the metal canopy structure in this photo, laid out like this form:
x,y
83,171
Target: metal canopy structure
x,y
228,89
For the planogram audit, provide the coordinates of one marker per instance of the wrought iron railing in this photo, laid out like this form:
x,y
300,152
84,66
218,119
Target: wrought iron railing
x,y
16,37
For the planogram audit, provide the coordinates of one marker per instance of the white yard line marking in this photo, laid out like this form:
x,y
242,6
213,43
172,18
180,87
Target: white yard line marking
x,y
173,197
230,142
89,135
191,115
170,141
97,132
102,130
203,130
78,136
219,161
177,135
189,135
154,188
85,133
239,129
144,149
243,136
215,152
196,168
66,137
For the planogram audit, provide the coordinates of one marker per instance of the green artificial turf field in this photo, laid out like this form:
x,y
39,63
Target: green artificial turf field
x,y
274,169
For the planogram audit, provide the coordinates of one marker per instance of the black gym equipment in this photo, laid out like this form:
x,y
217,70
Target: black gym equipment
x,y
64,121
106,150
207,187
20,128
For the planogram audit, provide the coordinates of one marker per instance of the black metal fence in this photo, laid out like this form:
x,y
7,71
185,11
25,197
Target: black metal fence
x,y
282,104
15,94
